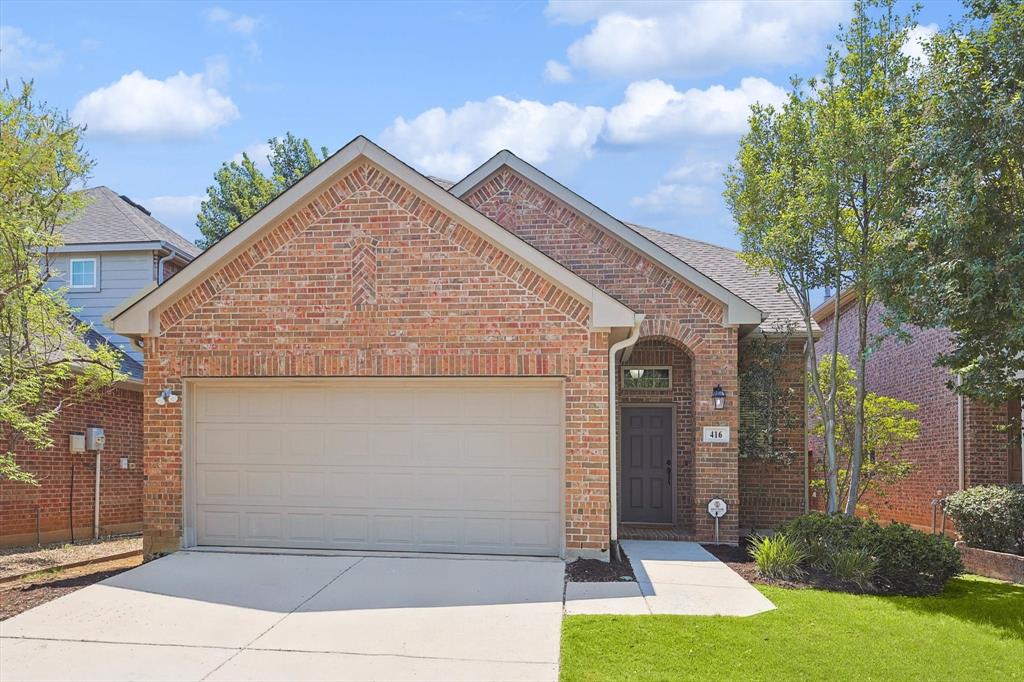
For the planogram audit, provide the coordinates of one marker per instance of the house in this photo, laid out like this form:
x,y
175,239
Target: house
x,y
111,250
962,442
375,361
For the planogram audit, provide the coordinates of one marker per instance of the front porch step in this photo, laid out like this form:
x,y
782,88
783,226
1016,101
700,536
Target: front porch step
x,y
632,532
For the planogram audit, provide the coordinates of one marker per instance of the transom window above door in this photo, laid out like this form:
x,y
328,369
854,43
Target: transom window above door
x,y
647,378
84,273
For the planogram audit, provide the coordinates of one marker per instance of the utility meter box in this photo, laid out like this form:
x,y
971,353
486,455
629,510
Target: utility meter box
x,y
94,438
77,442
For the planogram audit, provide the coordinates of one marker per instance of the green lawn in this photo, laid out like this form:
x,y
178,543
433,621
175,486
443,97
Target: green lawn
x,y
973,631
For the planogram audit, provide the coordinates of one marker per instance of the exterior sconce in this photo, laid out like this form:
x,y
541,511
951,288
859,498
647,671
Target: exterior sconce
x,y
718,395
166,396
636,374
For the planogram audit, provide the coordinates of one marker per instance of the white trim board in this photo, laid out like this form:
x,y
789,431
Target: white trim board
x,y
738,311
141,317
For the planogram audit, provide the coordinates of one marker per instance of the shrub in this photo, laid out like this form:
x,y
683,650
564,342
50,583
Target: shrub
x,y
990,517
894,559
914,563
825,535
853,565
777,557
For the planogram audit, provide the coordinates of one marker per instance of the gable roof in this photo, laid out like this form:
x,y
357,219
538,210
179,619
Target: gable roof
x,y
110,218
135,317
739,310
725,265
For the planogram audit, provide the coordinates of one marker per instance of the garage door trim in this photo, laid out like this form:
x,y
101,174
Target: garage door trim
x,y
190,508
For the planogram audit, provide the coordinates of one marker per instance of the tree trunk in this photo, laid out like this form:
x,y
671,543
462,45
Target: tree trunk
x,y
857,456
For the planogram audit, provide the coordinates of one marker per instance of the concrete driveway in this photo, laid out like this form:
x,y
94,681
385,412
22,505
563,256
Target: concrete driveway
x,y
234,616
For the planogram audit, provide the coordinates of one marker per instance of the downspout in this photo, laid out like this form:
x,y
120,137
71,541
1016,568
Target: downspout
x,y
171,254
96,500
960,435
613,473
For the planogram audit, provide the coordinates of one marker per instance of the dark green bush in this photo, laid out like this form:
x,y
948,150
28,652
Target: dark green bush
x,y
990,517
896,559
908,561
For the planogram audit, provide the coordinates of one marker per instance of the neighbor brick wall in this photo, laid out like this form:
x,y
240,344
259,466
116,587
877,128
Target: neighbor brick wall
x,y
119,412
771,493
674,309
906,371
432,298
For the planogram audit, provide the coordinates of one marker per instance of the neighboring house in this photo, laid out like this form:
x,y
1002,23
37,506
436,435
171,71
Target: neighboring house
x,y
962,443
377,362
112,250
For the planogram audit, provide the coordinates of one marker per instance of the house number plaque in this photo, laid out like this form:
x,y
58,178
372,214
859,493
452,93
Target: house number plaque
x,y
716,434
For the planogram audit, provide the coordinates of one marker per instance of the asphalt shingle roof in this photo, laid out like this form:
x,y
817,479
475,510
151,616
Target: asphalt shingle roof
x,y
760,289
109,218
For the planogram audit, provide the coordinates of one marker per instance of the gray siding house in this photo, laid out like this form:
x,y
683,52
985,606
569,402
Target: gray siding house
x,y
111,251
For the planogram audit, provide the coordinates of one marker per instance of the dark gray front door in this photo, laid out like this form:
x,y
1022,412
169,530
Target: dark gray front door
x,y
647,464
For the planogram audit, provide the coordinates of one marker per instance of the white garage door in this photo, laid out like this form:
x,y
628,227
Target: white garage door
x,y
425,465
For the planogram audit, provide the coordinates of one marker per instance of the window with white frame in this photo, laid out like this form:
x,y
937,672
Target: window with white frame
x,y
84,273
647,378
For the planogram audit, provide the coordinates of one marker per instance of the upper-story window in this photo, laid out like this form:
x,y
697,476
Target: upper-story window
x,y
84,273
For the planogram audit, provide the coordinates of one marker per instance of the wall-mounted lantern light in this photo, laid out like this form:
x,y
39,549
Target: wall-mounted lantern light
x,y
718,395
166,396
636,373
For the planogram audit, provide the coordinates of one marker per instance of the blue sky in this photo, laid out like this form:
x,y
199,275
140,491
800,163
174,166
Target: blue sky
x,y
635,105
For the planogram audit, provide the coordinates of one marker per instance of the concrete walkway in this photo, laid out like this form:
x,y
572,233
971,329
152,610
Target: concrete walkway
x,y
234,616
678,578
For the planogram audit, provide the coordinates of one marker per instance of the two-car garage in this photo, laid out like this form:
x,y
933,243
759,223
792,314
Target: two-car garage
x,y
427,465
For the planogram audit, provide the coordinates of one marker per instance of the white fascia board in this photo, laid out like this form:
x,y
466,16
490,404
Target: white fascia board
x,y
139,318
109,246
738,310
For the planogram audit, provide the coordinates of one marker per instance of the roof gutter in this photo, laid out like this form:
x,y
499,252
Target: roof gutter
x,y
613,473
172,253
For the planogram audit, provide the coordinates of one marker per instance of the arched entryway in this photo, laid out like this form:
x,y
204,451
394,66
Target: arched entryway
x,y
656,474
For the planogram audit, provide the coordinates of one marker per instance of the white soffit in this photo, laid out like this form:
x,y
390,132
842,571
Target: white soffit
x,y
738,311
140,317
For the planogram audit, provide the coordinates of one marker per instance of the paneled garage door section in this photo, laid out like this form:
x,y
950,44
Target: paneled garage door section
x,y
420,465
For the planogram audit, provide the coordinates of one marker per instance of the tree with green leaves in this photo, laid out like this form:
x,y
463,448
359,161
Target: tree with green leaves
x,y
959,263
879,100
782,192
241,188
46,360
888,427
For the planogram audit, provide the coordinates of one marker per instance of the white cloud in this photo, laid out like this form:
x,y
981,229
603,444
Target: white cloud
x,y
257,153
686,188
671,198
242,24
177,211
917,38
654,109
138,107
452,143
632,39
557,72
22,56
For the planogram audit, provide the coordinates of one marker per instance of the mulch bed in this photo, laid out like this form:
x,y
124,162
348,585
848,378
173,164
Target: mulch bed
x,y
739,560
597,571
30,592
15,561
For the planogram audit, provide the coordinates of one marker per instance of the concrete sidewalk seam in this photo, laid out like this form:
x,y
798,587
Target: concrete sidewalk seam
x,y
279,620
107,641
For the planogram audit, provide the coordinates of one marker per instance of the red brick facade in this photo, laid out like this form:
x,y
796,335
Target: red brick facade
x,y
677,315
906,371
370,280
32,514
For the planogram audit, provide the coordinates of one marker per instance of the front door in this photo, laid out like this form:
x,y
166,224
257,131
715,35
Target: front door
x,y
647,464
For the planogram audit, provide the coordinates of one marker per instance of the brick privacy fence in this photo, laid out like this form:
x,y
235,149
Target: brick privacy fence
x,y
906,371
674,310
432,299
119,412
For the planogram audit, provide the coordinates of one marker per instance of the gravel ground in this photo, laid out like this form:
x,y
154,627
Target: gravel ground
x,y
22,595
18,560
